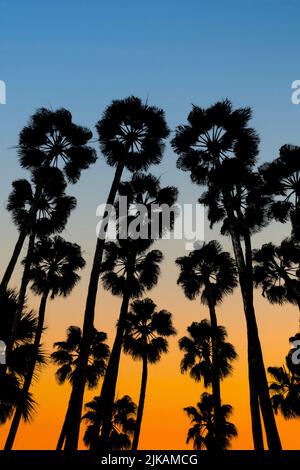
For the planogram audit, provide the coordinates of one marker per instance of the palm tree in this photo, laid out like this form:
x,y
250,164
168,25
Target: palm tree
x,y
285,385
122,424
277,271
51,139
145,340
17,360
219,151
198,352
203,430
52,210
145,196
129,270
66,356
54,267
131,136
282,178
211,274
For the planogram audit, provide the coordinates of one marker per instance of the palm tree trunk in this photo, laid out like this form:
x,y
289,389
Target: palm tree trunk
x,y
140,410
62,436
28,378
27,266
259,390
108,391
77,393
264,400
216,389
23,288
13,261
252,354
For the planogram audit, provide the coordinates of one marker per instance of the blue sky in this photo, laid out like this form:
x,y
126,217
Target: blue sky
x,y
81,55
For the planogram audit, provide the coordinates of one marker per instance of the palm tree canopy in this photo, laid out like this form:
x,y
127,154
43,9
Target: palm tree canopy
x,y
197,348
203,429
282,180
132,132
277,271
219,150
147,330
249,202
285,391
18,359
67,352
27,324
145,189
207,271
130,257
53,207
122,425
212,136
55,263
52,139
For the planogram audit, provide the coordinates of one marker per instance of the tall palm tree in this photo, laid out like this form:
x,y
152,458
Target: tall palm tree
x,y
277,271
51,139
16,360
219,151
203,429
145,340
131,136
66,356
122,424
54,267
52,210
211,274
129,270
282,178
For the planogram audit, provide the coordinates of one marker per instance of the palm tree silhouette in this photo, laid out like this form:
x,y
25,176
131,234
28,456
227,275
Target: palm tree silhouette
x,y
277,271
285,385
211,274
282,178
53,272
122,424
198,352
203,430
51,139
17,360
66,357
51,212
129,270
131,136
219,151
145,195
204,345
145,340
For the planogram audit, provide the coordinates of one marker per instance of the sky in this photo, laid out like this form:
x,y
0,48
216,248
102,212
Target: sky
x,y
81,55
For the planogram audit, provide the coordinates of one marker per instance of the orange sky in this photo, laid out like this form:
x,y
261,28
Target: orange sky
x,y
165,424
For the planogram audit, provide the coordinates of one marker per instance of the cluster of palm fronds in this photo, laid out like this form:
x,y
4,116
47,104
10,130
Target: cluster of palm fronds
x,y
219,150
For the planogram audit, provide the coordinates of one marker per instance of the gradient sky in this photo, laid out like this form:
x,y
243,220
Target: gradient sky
x,y
81,55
